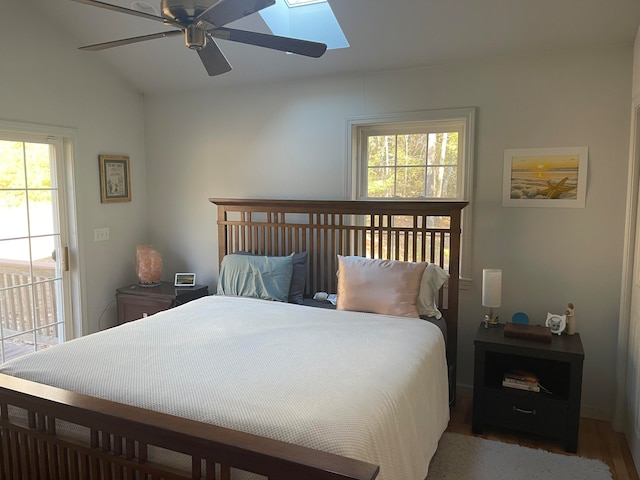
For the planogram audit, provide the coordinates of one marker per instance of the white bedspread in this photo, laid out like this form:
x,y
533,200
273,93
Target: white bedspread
x,y
371,387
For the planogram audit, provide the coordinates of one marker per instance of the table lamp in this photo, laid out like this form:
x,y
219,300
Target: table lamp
x,y
491,293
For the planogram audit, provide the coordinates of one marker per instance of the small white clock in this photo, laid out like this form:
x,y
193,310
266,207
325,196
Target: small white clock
x,y
557,323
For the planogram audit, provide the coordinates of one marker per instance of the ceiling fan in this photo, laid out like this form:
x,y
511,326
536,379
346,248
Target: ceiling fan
x,y
200,21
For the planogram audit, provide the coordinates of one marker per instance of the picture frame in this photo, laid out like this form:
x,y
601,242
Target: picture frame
x,y
185,280
115,179
545,177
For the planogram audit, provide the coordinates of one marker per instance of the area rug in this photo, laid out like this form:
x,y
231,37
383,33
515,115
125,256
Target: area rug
x,y
463,457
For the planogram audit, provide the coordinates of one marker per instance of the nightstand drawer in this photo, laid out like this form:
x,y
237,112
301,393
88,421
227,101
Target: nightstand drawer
x,y
525,411
131,307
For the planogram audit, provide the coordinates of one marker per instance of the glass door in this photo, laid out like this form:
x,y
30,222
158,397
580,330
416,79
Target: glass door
x,y
33,249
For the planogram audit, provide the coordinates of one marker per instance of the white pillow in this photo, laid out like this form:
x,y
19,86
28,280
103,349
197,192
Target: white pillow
x,y
432,280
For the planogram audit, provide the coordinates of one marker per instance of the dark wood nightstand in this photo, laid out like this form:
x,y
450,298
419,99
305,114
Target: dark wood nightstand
x,y
136,302
558,366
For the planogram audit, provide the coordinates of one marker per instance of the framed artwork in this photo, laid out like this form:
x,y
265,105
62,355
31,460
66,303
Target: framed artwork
x,y
115,179
545,177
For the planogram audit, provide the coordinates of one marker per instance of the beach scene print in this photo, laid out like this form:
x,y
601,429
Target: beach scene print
x,y
544,177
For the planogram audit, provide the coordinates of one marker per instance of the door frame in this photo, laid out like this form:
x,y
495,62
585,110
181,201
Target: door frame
x,y
75,296
623,419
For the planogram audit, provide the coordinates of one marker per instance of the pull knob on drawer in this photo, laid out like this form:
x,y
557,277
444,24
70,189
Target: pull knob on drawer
x,y
522,410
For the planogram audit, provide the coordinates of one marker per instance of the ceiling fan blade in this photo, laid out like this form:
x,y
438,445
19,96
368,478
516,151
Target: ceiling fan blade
x,y
213,59
127,41
226,11
115,8
275,42
128,11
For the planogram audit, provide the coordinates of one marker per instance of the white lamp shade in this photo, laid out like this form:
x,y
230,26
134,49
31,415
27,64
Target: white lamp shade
x,y
491,287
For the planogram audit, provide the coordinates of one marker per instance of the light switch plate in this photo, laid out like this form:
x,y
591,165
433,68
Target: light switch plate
x,y
100,234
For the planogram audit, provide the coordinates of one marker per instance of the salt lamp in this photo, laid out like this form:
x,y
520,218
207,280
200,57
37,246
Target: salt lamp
x,y
148,265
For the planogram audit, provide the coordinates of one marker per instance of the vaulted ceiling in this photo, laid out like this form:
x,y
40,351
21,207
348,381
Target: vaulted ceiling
x,y
384,34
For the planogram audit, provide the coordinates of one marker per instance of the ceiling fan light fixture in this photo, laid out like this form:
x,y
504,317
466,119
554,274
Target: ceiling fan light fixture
x,y
144,7
194,37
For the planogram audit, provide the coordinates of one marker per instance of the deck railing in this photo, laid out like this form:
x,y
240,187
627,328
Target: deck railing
x,y
27,303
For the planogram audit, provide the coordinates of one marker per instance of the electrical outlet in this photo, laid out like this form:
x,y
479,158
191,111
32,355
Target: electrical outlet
x,y
100,234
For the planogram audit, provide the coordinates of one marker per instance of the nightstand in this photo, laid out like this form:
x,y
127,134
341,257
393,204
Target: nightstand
x,y
558,366
136,302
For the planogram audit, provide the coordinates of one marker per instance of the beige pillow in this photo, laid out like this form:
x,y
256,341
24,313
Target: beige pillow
x,y
388,287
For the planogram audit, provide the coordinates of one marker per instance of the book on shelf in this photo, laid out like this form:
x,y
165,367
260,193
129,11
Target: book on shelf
x,y
523,380
519,382
521,385
521,376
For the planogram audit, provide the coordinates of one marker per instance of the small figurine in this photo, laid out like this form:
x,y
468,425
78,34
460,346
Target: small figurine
x,y
556,323
571,320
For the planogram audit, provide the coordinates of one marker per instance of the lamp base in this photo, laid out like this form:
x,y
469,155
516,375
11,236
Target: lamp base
x,y
490,320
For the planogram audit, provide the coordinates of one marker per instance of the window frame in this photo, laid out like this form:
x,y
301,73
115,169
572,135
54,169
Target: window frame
x,y
64,139
356,168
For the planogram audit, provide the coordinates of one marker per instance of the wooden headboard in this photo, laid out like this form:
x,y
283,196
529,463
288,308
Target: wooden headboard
x,y
396,230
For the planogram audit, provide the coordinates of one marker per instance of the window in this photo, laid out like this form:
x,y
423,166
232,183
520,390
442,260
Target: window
x,y
410,162
415,156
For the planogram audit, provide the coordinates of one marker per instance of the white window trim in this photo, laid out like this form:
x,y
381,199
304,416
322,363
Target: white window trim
x,y
353,165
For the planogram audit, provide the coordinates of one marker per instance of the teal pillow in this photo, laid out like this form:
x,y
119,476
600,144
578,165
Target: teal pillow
x,y
263,277
298,277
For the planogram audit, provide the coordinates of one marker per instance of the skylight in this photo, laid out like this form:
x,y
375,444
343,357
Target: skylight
x,y
300,3
305,19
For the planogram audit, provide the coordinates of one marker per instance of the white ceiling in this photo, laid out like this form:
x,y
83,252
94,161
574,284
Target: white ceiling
x,y
384,34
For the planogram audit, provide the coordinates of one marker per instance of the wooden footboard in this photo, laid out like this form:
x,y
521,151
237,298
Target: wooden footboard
x,y
122,440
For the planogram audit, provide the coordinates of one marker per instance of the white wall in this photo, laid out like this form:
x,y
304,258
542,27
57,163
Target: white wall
x,y
288,141
46,80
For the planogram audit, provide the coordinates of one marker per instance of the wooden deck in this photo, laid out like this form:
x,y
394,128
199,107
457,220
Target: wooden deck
x,y
14,349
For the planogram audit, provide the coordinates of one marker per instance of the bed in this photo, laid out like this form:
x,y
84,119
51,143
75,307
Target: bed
x,y
93,424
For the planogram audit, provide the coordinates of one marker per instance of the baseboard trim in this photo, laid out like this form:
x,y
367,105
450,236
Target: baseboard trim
x,y
595,413
465,389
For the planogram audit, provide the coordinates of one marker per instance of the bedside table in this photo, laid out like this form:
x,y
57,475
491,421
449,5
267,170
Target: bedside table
x,y
558,366
136,302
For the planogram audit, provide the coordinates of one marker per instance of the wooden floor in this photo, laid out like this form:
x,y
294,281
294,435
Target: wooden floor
x,y
596,440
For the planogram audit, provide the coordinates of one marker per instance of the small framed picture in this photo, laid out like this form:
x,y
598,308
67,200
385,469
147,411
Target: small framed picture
x,y
185,280
545,177
115,179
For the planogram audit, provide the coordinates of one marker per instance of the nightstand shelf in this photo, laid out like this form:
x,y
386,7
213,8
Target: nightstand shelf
x,y
558,366
135,302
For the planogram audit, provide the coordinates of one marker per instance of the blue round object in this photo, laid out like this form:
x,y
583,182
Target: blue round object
x,y
520,317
